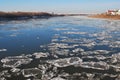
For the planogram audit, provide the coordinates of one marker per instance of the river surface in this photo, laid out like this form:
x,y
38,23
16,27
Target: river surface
x,y
60,48
27,37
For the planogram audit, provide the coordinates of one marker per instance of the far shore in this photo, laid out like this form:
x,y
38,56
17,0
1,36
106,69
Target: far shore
x,y
7,16
106,16
26,15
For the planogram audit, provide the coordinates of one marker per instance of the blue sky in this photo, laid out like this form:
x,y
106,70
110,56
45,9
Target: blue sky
x,y
60,6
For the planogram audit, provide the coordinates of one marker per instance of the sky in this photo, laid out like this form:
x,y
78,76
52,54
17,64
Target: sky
x,y
59,6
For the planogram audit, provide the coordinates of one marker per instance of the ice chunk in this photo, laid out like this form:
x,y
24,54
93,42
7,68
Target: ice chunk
x,y
66,62
15,61
31,72
40,54
3,50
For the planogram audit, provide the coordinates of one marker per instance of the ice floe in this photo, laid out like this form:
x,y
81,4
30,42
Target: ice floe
x,y
15,61
66,62
2,50
40,54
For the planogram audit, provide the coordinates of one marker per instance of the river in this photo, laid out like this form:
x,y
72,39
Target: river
x,y
60,48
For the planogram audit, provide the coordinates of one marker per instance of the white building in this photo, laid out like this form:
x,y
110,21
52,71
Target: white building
x,y
114,12
118,12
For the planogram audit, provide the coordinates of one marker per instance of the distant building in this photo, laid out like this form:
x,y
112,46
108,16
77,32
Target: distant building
x,y
118,12
113,12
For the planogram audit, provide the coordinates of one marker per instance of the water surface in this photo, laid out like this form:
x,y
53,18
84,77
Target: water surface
x,y
26,37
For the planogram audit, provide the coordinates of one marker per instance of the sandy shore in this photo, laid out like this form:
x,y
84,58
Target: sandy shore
x,y
105,16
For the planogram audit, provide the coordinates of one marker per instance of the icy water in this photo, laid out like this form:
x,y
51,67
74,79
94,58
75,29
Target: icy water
x,y
26,37
60,48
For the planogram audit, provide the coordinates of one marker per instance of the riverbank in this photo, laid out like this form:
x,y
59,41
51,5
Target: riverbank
x,y
105,16
25,15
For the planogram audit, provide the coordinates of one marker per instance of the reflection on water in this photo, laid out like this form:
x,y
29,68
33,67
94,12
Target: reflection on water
x,y
74,46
